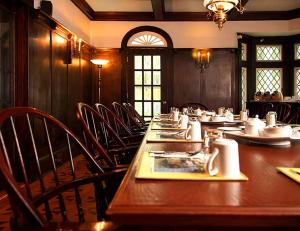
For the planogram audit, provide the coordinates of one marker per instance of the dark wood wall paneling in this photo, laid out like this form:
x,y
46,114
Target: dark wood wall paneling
x,y
6,58
55,85
215,87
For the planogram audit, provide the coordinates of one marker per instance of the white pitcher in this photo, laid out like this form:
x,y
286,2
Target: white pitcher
x,y
224,159
194,131
184,120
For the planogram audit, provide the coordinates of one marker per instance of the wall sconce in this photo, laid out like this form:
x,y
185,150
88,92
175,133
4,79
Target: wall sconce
x,y
77,43
202,58
99,63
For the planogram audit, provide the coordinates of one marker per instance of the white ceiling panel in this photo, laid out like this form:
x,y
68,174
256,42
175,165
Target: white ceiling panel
x,y
272,5
121,5
184,6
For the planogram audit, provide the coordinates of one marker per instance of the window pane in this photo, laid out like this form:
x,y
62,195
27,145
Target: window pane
x,y
147,109
137,62
138,80
138,93
156,93
297,81
147,62
147,77
147,39
244,87
156,108
268,80
156,77
244,52
268,53
156,62
147,93
297,51
138,107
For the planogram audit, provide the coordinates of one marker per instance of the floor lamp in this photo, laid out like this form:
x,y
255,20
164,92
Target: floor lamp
x,y
99,63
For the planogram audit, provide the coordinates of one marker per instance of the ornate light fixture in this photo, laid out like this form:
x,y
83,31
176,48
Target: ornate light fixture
x,y
202,58
99,63
220,8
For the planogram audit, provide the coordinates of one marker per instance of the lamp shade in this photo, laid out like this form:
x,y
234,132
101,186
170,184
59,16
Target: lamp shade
x,y
215,5
99,61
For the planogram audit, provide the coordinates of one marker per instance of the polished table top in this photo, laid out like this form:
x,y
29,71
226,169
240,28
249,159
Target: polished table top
x,y
267,199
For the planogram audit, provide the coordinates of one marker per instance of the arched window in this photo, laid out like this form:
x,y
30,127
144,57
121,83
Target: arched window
x,y
147,39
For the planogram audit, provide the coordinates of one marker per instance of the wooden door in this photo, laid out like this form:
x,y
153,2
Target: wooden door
x,y
147,81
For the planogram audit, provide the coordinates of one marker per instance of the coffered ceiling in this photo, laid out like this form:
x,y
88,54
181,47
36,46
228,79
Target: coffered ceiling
x,y
182,10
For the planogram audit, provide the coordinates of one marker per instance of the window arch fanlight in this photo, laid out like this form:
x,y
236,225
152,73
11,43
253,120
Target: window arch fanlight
x,y
147,36
147,39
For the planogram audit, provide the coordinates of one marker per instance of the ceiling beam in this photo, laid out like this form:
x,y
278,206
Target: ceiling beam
x,y
195,16
158,7
85,8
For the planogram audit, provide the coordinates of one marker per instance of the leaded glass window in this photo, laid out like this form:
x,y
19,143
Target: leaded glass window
x,y
268,79
297,51
147,39
244,52
297,81
269,53
244,87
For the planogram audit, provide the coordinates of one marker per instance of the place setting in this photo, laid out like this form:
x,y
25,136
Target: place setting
x,y
178,123
267,132
222,117
190,132
218,162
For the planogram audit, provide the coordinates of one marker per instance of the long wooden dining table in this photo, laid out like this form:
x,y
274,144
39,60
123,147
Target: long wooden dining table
x,y
268,199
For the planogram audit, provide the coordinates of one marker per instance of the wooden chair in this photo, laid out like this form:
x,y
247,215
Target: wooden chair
x,y
31,160
98,133
127,135
127,118
261,110
194,106
283,112
135,114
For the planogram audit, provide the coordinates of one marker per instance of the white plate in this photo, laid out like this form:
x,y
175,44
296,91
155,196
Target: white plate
x,y
229,128
284,140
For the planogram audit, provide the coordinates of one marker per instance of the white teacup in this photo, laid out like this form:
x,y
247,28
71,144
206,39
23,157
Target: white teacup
x,y
224,159
218,118
184,120
221,110
184,110
198,112
243,115
194,131
271,118
175,115
204,118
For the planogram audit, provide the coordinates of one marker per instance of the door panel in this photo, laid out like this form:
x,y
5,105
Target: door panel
x,y
147,81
